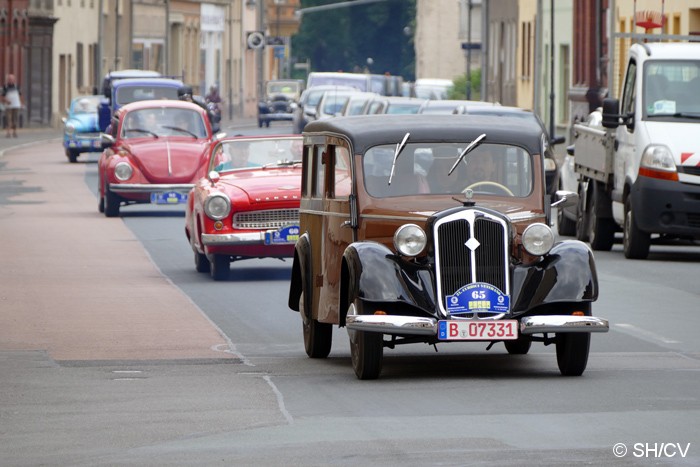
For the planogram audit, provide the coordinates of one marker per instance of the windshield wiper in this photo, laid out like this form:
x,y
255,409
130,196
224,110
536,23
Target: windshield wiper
x,y
466,151
141,130
177,128
399,148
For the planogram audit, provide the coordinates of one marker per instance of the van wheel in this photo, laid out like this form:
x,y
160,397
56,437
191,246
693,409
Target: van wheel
x,y
635,243
581,215
318,337
601,231
366,348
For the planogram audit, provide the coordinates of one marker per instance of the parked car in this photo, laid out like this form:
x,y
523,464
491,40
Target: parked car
x,y
450,106
551,166
155,153
432,88
357,103
305,110
279,100
126,90
460,253
248,205
396,105
332,103
81,132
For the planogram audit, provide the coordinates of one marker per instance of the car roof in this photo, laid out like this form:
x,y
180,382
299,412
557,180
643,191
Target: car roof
x,y
163,82
159,103
366,131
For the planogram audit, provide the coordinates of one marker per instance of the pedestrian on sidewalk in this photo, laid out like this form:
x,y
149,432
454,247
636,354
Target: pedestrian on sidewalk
x,y
13,103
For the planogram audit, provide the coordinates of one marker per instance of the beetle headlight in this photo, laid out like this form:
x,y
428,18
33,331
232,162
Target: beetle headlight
x,y
409,240
217,206
70,128
123,171
538,239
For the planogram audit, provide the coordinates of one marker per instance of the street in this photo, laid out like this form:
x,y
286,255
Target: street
x,y
115,351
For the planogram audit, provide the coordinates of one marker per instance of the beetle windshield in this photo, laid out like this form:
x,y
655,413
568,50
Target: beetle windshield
x,y
245,153
424,168
163,121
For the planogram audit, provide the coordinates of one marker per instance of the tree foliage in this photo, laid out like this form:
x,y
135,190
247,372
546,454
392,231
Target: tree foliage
x,y
459,91
343,39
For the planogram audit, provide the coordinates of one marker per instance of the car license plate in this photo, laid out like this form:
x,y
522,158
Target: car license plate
x,y
465,330
168,197
283,236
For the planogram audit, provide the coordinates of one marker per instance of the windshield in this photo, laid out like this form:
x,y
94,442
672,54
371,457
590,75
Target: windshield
x,y
163,121
246,153
286,88
86,105
423,168
127,94
672,89
355,81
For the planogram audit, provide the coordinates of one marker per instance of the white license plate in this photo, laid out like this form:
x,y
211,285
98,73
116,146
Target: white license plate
x,y
466,330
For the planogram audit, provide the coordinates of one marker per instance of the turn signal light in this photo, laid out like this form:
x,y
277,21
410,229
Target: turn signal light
x,y
379,312
218,225
578,313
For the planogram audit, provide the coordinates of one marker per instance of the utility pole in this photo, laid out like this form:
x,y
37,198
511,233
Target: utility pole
x,y
551,70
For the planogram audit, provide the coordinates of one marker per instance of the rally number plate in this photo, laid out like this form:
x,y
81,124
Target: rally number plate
x,y
169,197
466,330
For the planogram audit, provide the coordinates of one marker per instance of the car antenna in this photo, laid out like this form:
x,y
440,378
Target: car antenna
x,y
471,146
399,148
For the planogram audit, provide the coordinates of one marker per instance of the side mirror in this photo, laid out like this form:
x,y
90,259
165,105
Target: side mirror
x,y
570,149
107,140
611,113
219,136
557,140
214,177
565,199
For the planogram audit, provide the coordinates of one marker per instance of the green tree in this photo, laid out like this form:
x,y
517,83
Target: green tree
x,y
459,91
343,39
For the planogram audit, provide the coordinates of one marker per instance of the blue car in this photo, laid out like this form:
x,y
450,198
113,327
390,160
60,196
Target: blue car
x,y
81,132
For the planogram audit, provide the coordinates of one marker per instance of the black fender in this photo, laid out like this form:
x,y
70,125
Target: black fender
x,y
375,274
566,274
301,271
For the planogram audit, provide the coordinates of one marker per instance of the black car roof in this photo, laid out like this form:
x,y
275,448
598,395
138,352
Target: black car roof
x,y
366,131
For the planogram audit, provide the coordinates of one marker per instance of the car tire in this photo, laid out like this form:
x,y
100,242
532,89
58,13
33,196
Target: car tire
x,y
519,346
220,267
565,226
201,262
573,347
111,203
100,201
581,215
601,231
72,155
635,243
318,337
366,348
260,122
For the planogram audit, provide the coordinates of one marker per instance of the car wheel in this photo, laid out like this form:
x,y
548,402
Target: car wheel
x,y
601,231
581,215
111,203
318,337
635,243
366,348
519,346
573,347
267,123
219,267
72,155
201,263
565,226
101,201
260,123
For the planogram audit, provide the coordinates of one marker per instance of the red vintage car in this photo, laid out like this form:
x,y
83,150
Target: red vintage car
x,y
248,204
155,152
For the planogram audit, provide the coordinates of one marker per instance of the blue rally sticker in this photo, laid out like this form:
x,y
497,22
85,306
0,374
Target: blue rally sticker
x,y
477,297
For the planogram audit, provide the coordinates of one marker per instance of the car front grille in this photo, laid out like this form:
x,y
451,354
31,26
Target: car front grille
x,y
268,219
471,246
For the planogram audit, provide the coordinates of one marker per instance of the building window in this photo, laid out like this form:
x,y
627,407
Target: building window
x,y
79,66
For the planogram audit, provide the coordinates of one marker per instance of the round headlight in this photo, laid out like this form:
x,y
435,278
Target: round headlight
x,y
409,240
217,206
70,128
123,171
538,239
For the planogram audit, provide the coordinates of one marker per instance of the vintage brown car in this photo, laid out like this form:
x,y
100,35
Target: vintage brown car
x,y
436,229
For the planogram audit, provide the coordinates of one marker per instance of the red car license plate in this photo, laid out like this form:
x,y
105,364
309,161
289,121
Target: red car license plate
x,y
465,330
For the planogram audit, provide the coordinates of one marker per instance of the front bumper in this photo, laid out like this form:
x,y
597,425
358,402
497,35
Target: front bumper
x,y
276,116
85,144
183,188
411,325
667,207
247,238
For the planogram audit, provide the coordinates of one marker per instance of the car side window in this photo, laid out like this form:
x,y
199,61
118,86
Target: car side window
x,y
318,170
342,183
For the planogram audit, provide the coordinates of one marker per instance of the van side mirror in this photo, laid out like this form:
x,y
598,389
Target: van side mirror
x,y
611,113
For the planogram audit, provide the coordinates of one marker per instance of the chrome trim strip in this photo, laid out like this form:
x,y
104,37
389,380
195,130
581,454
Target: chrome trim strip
x,y
388,324
183,188
562,323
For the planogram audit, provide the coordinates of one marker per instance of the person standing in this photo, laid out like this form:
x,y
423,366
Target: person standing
x,y
13,102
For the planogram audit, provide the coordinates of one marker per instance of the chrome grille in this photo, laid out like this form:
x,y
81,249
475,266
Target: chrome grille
x,y
268,219
458,265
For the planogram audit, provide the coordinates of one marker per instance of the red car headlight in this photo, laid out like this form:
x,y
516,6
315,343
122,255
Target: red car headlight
x,y
217,206
123,171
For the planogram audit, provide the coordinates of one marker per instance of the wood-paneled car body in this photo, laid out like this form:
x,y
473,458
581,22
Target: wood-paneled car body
x,y
248,204
155,152
436,229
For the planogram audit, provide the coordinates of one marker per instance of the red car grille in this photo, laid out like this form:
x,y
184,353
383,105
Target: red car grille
x,y
269,219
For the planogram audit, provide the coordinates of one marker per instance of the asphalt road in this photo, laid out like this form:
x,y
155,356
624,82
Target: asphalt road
x,y
230,383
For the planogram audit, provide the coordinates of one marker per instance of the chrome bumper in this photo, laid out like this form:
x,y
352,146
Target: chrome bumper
x,y
411,325
183,188
248,238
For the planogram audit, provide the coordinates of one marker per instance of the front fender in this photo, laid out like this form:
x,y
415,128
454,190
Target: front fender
x,y
300,269
566,274
374,273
